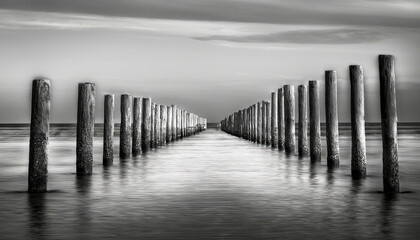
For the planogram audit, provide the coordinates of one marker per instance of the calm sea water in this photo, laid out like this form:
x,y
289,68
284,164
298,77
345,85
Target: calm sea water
x,y
209,186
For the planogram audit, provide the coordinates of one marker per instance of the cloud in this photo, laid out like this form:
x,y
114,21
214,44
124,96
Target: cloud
x,y
321,36
403,13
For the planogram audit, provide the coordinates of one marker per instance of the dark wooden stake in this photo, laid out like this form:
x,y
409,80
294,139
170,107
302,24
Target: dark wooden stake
x,y
389,124
108,148
289,118
314,122
39,135
274,121
125,127
85,128
331,112
146,124
303,121
280,118
137,122
358,148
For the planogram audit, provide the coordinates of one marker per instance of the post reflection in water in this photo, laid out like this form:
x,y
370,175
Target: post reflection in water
x,y
37,215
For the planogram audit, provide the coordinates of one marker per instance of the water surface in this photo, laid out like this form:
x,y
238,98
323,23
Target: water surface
x,y
208,186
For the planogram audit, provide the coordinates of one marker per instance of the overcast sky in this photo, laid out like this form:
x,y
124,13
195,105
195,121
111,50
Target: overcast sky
x,y
211,57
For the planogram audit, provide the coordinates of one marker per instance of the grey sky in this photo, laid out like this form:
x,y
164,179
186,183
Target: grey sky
x,y
210,56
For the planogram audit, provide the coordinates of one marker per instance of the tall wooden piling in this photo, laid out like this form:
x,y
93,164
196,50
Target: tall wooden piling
x,y
39,135
358,148
274,121
280,118
255,116
389,124
303,121
152,134
268,122
157,126
163,122
174,121
289,118
178,124
331,112
264,123
108,147
125,127
137,122
169,125
85,128
314,122
146,124
259,122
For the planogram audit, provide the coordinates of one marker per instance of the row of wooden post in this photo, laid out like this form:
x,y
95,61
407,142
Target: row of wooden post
x,y
275,125
144,125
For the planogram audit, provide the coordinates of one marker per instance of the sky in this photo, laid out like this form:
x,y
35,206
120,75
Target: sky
x,y
210,57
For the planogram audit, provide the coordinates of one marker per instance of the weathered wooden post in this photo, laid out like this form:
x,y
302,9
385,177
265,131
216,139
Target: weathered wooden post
x,y
264,123
125,127
255,116
389,124
108,148
152,133
182,124
85,128
169,125
358,148
314,122
174,121
280,118
39,135
274,121
259,122
178,124
332,135
163,122
157,126
268,122
137,122
146,124
289,118
303,121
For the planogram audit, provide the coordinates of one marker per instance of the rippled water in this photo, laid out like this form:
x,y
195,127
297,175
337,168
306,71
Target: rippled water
x,y
209,186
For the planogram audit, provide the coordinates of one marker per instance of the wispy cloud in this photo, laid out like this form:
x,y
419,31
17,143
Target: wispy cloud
x,y
322,36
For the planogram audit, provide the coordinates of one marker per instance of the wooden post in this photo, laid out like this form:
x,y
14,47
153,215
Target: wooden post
x,y
85,128
259,122
174,121
152,133
125,127
157,126
303,121
314,121
146,124
255,115
389,124
332,135
358,148
39,135
108,148
264,123
268,122
274,121
178,124
280,118
289,118
163,122
169,124
137,122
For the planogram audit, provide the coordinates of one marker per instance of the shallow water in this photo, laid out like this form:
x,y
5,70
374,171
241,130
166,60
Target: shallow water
x,y
208,186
